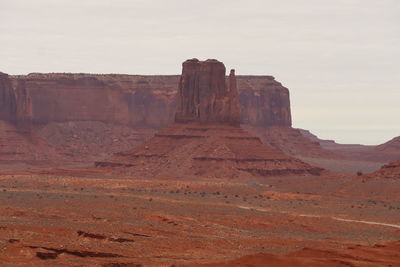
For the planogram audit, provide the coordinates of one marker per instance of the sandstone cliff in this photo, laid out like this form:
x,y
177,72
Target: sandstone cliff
x,y
8,105
15,103
120,99
204,96
88,116
207,139
85,117
263,101
138,100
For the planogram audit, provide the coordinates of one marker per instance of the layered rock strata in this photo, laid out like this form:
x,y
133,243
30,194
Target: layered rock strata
x,y
138,100
8,102
290,141
18,149
206,139
15,103
205,96
206,150
391,170
69,110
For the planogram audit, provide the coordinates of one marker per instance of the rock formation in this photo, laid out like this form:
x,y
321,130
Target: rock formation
x,y
391,170
20,150
71,98
204,96
206,139
15,105
8,105
290,141
263,102
69,111
137,100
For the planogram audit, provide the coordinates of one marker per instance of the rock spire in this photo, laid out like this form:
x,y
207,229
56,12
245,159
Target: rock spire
x,y
204,94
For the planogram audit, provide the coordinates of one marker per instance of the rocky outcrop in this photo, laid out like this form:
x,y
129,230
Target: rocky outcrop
x,y
58,106
8,102
391,170
204,96
263,101
86,117
206,150
290,141
138,100
206,139
24,108
19,150
15,103
122,100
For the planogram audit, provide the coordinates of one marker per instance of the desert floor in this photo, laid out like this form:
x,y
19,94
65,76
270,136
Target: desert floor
x,y
59,220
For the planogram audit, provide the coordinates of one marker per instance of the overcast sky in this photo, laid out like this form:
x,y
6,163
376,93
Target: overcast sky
x,y
340,59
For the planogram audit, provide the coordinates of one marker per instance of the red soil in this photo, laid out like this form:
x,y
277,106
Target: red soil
x,y
362,256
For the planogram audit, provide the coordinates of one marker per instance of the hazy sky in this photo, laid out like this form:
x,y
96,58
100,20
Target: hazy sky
x,y
340,59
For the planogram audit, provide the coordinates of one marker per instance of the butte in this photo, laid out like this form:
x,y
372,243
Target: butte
x,y
206,139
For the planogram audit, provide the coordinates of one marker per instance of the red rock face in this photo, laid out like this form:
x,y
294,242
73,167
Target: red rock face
x,y
15,103
120,99
204,96
50,105
8,105
135,100
391,170
206,139
24,108
263,101
69,111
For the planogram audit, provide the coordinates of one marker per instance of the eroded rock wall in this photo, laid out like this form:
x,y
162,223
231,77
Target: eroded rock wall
x,y
8,102
205,96
263,101
134,100
127,100
15,103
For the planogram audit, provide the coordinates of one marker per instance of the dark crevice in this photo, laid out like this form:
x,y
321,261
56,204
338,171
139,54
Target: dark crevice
x,y
78,253
135,234
103,237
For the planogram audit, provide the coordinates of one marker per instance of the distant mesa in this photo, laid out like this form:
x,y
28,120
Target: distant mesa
x,y
137,100
206,139
83,117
